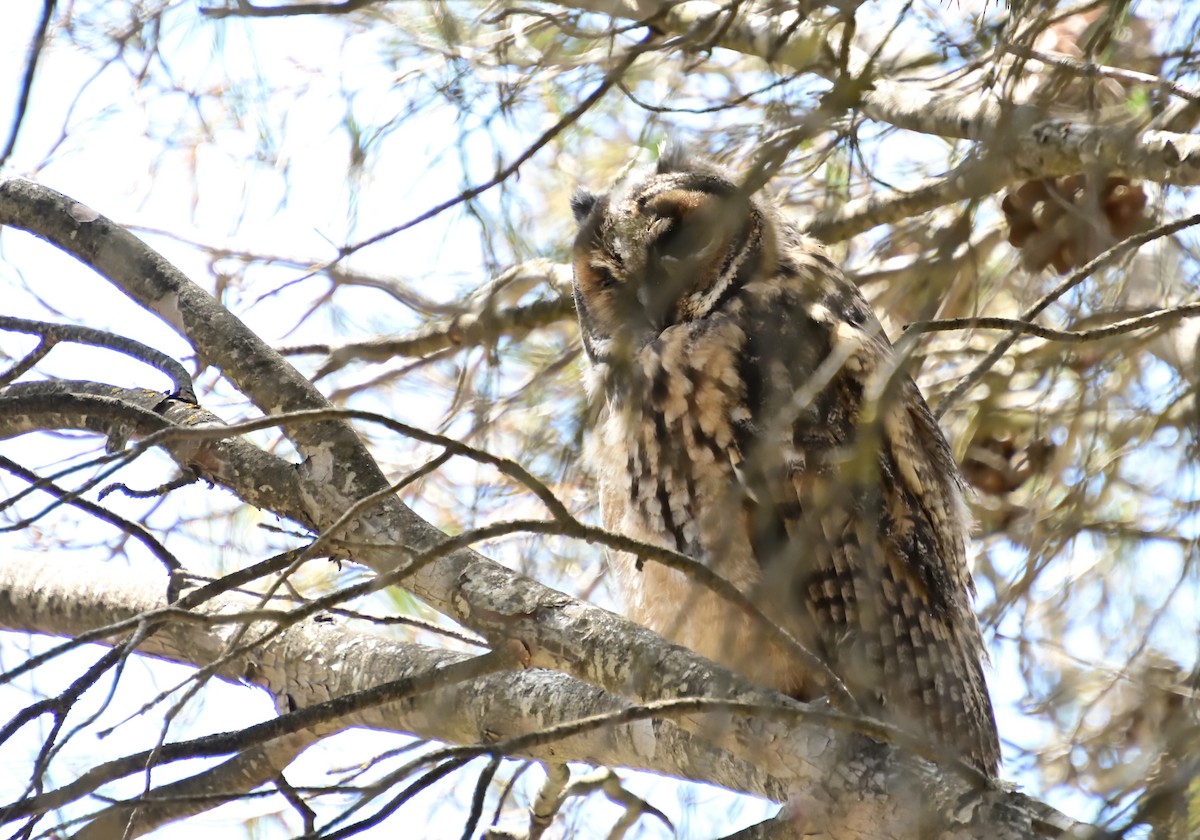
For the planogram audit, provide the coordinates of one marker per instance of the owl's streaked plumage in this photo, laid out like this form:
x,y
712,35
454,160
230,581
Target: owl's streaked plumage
x,y
753,420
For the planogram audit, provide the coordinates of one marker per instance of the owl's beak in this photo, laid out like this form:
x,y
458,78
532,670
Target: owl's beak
x,y
656,301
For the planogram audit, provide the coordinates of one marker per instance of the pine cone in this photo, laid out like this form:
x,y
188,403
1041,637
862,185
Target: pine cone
x,y
997,466
1064,222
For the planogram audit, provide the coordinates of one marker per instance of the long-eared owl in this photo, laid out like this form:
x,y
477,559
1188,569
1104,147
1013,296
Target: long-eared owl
x,y
754,420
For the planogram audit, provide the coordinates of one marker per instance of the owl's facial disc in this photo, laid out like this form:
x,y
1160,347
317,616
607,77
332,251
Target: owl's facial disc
x,y
700,236
663,251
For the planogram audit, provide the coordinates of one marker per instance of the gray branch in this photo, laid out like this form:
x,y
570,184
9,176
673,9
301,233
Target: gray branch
x,y
852,785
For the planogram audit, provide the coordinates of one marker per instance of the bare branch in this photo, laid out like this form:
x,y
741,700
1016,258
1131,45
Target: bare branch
x,y
55,333
31,61
1163,317
248,769
503,704
483,327
249,10
610,80
1091,70
496,600
135,530
1071,281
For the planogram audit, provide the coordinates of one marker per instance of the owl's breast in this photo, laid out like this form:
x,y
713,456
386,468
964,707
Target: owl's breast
x,y
665,456
671,424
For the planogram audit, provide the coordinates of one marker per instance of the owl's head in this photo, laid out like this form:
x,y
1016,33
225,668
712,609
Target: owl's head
x,y
662,249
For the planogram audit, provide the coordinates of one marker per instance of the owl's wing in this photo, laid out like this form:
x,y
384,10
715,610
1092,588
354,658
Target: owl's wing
x,y
855,515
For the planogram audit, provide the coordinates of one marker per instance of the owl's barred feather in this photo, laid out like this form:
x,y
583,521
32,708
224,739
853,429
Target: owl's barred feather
x,y
754,422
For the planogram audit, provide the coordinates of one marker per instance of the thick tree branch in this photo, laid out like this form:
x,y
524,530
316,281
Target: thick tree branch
x,y
315,661
804,754
245,771
559,632
113,412
973,178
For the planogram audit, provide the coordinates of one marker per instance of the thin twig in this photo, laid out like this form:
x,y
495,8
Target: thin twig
x,y
286,724
607,83
127,526
1071,281
1157,318
1090,70
249,10
31,61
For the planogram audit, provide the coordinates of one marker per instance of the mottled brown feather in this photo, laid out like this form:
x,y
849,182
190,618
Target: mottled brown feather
x,y
754,421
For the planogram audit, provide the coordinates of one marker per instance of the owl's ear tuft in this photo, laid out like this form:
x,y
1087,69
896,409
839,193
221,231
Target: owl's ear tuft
x,y
672,157
582,202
